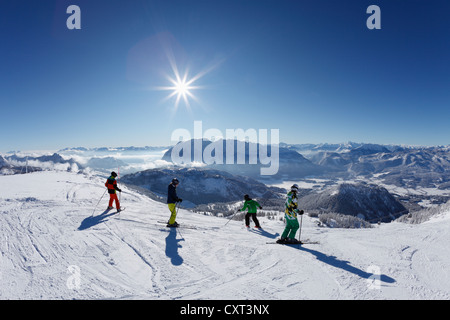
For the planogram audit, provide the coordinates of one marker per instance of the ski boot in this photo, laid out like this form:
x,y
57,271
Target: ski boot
x,y
173,225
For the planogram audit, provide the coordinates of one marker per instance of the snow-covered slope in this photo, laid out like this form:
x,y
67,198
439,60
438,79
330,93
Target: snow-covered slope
x,y
53,246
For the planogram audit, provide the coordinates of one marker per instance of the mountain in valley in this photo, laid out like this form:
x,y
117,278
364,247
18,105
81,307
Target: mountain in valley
x,y
368,202
201,186
291,164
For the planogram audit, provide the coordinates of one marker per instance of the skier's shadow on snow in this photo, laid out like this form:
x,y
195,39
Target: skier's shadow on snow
x,y
264,233
94,220
345,265
172,247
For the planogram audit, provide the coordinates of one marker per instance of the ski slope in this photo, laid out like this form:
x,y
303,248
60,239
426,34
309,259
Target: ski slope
x,y
54,246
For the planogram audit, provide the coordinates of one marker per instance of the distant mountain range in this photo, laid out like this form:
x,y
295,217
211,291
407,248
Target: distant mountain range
x,y
54,158
408,167
14,164
401,166
110,149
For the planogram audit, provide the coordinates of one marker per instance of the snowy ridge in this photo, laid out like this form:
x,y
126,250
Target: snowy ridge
x,y
48,230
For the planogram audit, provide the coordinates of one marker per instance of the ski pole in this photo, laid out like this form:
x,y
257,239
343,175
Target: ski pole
x,y
300,232
118,181
177,207
120,202
231,218
98,203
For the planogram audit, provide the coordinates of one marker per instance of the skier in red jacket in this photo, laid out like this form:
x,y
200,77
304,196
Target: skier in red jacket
x,y
111,184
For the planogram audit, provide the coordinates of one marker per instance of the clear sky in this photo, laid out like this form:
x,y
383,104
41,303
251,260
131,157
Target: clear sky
x,y
311,69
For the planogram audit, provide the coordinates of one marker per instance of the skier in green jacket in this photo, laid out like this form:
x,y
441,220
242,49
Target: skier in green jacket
x,y
290,213
251,205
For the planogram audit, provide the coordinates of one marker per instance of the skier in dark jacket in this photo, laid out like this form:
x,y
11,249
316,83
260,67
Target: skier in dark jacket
x,y
172,200
251,205
111,184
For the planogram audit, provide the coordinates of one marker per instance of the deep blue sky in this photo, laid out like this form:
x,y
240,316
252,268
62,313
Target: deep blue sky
x,y
311,69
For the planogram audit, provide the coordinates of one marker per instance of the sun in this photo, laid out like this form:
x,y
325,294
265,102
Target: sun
x,y
182,85
181,88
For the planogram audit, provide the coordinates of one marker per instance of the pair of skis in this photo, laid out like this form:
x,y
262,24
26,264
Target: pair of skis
x,y
117,211
188,226
299,243
183,226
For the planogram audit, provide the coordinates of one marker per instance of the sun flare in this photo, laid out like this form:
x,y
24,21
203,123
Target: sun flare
x,y
181,89
182,85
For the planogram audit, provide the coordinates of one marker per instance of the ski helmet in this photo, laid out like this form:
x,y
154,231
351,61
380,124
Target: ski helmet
x,y
247,197
294,188
113,174
175,181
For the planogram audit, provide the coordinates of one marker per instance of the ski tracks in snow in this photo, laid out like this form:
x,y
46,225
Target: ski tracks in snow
x,y
130,256
125,255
